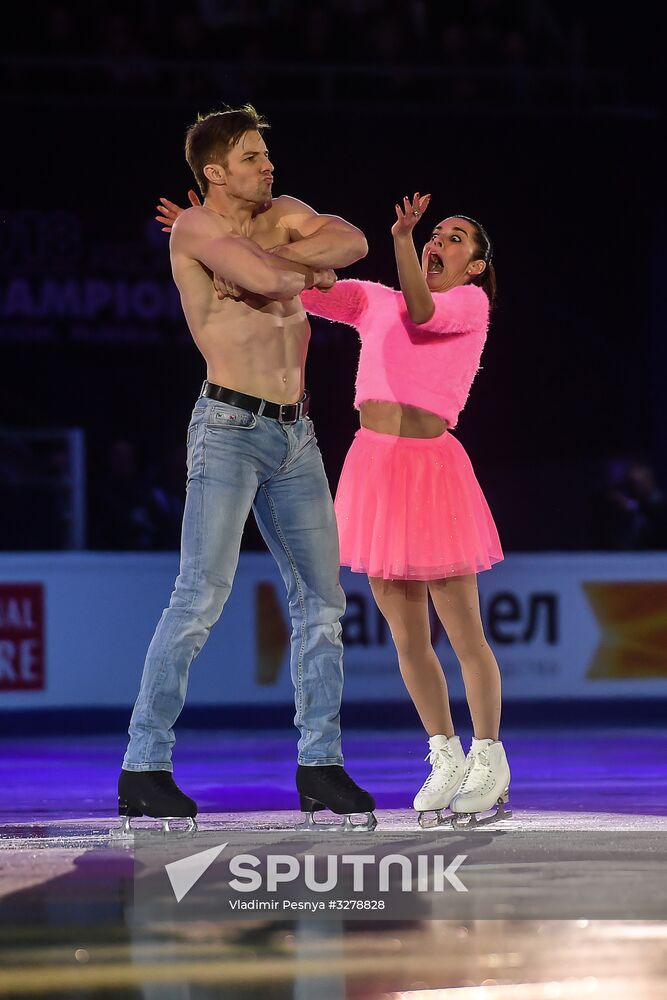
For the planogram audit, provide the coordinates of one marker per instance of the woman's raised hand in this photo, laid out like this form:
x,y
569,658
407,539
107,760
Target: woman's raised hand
x,y
408,216
169,211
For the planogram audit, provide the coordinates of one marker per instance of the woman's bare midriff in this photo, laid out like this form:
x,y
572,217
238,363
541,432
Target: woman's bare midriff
x,y
401,420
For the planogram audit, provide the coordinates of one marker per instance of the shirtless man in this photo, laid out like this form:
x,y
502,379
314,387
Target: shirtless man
x,y
250,445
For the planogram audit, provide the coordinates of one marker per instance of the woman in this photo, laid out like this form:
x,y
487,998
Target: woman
x,y
410,512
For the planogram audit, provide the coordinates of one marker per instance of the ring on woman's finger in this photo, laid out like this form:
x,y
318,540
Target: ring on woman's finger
x,y
416,214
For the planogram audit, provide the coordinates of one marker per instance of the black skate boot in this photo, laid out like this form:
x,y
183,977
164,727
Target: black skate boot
x,y
330,787
155,794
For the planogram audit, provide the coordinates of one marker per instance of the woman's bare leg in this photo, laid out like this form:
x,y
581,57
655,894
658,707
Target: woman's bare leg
x,y
456,601
404,604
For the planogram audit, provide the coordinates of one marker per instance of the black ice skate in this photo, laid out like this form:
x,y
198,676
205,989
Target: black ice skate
x,y
154,794
329,787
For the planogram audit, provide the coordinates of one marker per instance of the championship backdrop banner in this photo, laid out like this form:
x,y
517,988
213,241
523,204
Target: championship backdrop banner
x,y
74,629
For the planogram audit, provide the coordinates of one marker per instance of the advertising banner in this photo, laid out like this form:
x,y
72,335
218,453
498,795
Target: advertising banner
x,y
74,628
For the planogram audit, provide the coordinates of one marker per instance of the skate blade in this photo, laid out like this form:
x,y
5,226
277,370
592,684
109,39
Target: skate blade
x,y
471,820
126,831
429,819
311,825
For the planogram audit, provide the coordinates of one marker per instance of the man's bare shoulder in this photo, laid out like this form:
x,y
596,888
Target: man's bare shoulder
x,y
198,221
285,206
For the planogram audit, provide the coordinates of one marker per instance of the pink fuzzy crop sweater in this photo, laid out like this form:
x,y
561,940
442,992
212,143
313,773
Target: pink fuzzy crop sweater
x,y
431,366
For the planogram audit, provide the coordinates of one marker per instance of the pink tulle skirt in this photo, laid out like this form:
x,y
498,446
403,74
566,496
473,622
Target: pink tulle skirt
x,y
412,509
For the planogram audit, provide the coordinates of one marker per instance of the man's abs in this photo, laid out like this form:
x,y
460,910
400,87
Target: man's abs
x,y
253,345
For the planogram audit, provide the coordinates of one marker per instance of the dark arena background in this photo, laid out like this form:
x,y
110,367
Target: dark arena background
x,y
541,119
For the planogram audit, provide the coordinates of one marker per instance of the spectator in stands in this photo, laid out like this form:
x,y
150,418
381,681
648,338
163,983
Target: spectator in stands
x,y
120,516
631,508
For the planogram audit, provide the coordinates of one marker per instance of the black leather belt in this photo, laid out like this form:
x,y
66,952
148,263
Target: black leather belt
x,y
284,413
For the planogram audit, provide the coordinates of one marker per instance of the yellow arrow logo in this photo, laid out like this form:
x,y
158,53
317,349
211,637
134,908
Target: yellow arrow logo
x,y
632,616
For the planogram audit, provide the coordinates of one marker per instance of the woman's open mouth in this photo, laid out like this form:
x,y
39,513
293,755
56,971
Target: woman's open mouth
x,y
434,263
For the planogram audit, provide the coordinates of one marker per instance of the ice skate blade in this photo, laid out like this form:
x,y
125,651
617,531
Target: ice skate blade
x,y
471,820
436,819
127,832
311,825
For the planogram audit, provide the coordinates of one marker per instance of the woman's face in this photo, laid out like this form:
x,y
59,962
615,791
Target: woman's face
x,y
449,257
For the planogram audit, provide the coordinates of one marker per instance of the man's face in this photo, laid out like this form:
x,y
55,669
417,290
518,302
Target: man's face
x,y
249,171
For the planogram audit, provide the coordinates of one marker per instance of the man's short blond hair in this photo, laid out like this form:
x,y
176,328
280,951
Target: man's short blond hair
x,y
212,136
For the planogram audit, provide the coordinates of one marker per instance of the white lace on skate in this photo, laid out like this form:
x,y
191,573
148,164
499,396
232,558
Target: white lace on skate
x,y
435,793
480,786
443,767
478,775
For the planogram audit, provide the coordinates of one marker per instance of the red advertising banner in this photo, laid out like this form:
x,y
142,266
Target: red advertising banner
x,y
22,637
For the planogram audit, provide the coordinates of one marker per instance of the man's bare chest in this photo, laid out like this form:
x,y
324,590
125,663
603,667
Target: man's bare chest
x,y
268,235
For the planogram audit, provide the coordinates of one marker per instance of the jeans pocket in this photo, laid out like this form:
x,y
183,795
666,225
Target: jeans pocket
x,y
230,418
191,442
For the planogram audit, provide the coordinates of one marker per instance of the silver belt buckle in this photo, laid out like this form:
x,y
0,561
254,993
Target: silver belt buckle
x,y
281,419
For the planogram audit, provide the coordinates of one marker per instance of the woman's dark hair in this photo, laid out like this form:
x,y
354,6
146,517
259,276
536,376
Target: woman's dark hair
x,y
483,251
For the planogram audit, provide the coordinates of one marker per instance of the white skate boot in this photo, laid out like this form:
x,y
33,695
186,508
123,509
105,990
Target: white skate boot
x,y
485,786
447,762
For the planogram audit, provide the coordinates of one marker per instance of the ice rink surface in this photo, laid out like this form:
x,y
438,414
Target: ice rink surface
x,y
567,898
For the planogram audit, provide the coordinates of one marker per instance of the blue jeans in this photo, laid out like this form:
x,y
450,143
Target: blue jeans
x,y
238,461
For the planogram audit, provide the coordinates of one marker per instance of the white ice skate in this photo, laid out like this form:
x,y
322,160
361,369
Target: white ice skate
x,y
447,762
485,786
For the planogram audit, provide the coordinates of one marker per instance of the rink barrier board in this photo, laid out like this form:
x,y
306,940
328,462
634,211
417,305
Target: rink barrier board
x,y
564,714
74,628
